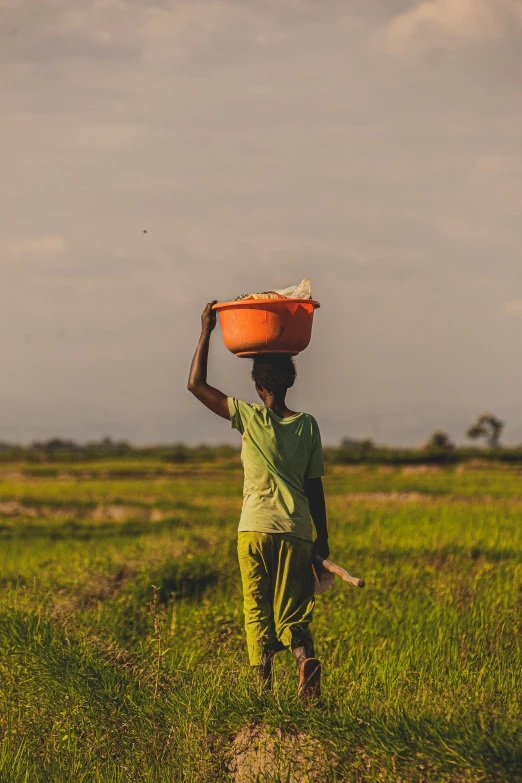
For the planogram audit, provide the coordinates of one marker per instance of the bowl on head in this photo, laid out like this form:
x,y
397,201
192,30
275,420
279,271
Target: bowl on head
x,y
255,326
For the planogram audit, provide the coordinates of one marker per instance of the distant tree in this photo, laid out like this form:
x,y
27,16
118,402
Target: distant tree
x,y
489,427
440,441
353,443
55,444
358,449
367,445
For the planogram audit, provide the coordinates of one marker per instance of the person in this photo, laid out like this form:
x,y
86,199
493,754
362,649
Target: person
x,y
283,464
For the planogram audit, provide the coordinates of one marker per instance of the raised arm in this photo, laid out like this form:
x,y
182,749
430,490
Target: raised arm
x,y
315,493
215,400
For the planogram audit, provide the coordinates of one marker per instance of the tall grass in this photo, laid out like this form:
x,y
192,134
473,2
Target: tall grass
x,y
122,655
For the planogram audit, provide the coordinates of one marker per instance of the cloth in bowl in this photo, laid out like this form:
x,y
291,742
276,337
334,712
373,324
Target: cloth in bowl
x,y
301,291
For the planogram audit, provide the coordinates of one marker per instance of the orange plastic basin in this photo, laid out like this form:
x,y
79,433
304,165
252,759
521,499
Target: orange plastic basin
x,y
259,326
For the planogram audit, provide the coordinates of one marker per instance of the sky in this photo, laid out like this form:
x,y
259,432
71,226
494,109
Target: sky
x,y
373,147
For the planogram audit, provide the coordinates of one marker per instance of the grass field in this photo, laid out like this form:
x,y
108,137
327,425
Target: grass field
x,y
121,642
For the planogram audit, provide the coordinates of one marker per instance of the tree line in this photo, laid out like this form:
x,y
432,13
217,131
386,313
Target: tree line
x,y
438,449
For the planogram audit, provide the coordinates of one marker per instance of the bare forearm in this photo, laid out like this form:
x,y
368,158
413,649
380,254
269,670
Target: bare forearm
x,y
197,384
318,513
198,368
315,494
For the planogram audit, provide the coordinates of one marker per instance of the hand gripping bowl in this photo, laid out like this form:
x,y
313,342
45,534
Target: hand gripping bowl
x,y
255,326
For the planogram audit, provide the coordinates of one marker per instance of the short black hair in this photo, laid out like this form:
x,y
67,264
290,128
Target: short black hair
x,y
275,372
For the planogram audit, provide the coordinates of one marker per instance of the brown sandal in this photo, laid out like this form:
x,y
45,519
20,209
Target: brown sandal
x,y
310,679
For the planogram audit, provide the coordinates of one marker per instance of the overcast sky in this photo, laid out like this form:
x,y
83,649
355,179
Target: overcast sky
x,y
375,147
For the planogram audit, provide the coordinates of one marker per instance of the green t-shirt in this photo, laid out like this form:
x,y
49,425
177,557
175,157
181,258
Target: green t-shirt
x,y
277,455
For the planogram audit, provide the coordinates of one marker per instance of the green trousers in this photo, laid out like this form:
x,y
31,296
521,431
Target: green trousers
x,y
278,592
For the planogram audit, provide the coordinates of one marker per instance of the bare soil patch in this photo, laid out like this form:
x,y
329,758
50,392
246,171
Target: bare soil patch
x,y
260,754
426,498
419,469
12,508
112,512
385,497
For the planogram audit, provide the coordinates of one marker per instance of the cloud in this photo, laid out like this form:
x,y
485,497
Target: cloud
x,y
150,33
48,249
513,308
449,23
499,177
460,231
177,29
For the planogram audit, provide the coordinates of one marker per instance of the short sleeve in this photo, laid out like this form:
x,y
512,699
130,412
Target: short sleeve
x,y
240,414
315,467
